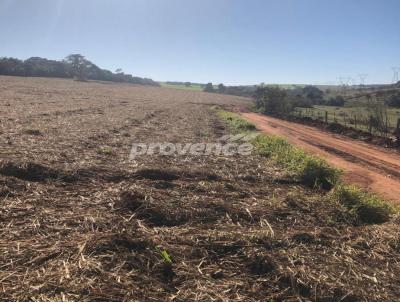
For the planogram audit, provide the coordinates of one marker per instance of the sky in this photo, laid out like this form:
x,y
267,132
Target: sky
x,y
220,41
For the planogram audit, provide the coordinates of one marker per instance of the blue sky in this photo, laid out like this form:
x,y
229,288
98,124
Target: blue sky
x,y
229,41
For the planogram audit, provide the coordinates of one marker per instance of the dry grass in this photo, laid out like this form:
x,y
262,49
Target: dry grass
x,y
79,225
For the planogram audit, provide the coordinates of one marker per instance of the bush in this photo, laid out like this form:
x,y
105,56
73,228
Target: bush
x,y
368,207
314,94
335,101
394,101
300,101
316,172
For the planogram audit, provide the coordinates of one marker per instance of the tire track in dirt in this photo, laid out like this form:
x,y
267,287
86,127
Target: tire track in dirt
x,y
371,167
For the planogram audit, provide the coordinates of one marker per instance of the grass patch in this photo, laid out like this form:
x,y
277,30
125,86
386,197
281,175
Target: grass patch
x,y
368,207
235,122
310,170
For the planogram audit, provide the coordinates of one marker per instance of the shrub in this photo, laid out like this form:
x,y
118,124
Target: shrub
x,y
317,173
368,207
335,101
314,94
394,101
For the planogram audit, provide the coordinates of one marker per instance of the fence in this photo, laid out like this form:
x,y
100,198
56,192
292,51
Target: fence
x,y
355,120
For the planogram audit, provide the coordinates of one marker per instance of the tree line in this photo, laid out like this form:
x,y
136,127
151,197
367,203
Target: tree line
x,y
73,66
246,91
278,101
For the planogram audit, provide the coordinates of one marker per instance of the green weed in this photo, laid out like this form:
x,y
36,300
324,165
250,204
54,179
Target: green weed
x,y
368,207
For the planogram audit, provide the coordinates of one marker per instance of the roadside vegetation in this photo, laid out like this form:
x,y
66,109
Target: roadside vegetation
x,y
313,172
374,111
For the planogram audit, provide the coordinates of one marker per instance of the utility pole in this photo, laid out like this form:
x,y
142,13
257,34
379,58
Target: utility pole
x,y
396,71
363,78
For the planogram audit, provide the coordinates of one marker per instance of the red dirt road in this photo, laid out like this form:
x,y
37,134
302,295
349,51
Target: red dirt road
x,y
370,167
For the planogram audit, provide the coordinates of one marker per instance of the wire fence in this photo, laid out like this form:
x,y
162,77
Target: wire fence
x,y
354,120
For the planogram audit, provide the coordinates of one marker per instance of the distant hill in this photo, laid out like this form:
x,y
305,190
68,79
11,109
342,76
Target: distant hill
x,y
41,67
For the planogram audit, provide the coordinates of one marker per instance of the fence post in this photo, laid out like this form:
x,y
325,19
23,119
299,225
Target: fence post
x,y
326,117
370,124
355,121
398,129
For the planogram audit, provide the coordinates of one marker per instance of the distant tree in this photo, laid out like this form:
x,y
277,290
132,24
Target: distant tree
x,y
119,70
39,67
394,101
247,91
73,66
273,100
11,66
209,88
335,101
188,84
79,65
300,101
221,88
313,93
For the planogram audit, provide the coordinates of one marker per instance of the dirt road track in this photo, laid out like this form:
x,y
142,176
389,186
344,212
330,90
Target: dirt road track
x,y
370,167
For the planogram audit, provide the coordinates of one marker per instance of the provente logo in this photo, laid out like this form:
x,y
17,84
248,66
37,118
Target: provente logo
x,y
228,145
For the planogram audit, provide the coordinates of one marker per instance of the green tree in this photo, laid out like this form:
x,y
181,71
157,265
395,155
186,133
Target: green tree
x,y
273,100
221,88
314,94
209,88
394,101
336,101
79,66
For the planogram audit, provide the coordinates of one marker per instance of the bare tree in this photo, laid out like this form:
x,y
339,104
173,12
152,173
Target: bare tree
x,y
379,117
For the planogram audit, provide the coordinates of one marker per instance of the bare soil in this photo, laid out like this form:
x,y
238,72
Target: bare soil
x,y
371,167
80,222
